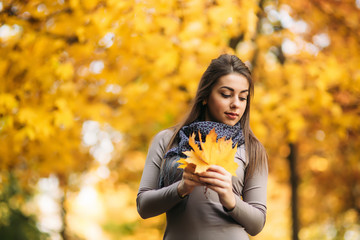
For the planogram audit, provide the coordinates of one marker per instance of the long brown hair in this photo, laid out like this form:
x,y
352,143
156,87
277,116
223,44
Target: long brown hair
x,y
223,65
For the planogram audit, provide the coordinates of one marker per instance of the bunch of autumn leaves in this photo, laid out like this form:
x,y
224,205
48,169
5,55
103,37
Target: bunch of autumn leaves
x,y
213,152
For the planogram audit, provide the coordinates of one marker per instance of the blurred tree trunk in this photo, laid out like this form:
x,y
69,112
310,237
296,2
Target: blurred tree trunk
x,y
294,190
292,158
63,232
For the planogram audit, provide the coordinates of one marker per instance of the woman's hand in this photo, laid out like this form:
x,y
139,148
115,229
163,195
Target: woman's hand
x,y
189,181
219,180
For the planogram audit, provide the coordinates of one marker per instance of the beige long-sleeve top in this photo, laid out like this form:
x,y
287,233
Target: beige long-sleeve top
x,y
200,216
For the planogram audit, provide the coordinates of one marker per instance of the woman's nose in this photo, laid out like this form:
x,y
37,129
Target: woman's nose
x,y
235,103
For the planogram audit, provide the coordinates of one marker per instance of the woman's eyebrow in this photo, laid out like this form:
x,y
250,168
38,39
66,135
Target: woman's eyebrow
x,y
231,89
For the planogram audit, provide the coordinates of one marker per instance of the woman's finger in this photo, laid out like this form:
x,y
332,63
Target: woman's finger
x,y
213,175
216,182
190,168
218,169
216,176
192,177
216,172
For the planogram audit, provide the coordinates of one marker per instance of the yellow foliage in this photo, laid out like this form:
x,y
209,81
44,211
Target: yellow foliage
x,y
318,164
7,103
65,71
89,4
245,50
168,62
213,152
3,67
64,116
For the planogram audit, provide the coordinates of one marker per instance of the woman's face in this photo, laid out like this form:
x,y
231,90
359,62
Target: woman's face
x,y
227,100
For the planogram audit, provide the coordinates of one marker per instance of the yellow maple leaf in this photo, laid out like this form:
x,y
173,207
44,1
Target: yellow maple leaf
x,y
213,152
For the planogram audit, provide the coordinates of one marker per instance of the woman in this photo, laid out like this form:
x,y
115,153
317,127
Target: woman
x,y
213,204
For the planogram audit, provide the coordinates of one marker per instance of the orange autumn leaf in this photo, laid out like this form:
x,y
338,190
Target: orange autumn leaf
x,y
213,152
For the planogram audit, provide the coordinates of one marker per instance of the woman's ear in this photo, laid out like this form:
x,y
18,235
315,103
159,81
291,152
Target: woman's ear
x,y
204,102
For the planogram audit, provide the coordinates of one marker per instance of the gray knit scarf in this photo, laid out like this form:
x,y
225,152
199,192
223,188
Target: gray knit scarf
x,y
169,171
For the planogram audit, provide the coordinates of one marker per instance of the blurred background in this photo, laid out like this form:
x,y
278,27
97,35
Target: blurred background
x,y
86,84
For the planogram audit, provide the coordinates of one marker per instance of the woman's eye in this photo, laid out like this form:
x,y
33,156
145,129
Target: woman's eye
x,y
225,95
242,99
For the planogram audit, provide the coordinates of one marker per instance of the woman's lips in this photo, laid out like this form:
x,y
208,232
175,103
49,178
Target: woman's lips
x,y
231,116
